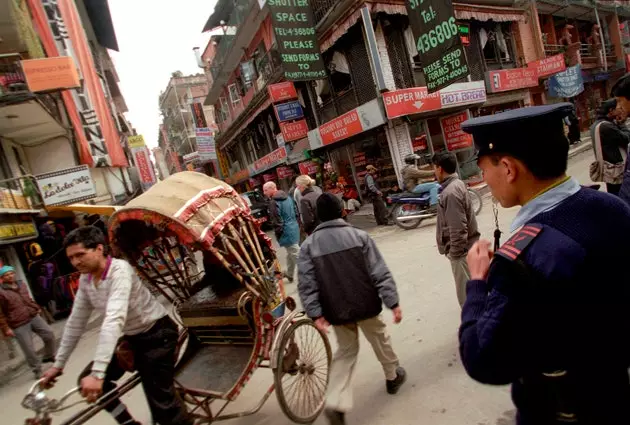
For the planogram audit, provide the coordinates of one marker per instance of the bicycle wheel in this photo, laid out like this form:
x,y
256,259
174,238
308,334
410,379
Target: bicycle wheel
x,y
477,201
301,375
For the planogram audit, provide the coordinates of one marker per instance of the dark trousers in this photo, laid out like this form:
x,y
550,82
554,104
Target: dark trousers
x,y
154,359
380,210
613,189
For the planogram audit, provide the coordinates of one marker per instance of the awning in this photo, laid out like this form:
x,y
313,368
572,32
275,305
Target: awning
x,y
86,208
297,151
29,123
101,19
222,12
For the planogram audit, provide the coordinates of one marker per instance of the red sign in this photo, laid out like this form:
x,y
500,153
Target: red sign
x,y
175,160
284,172
269,177
347,125
270,160
410,101
282,91
240,175
294,130
199,116
255,181
511,79
143,163
308,167
548,66
454,137
419,143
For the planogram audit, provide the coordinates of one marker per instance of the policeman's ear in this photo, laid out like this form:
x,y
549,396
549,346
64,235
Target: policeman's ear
x,y
511,168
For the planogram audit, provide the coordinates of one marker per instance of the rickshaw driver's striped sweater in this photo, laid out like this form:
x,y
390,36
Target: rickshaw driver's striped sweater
x,y
126,304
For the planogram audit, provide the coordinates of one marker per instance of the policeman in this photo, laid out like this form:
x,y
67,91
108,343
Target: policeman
x,y
548,311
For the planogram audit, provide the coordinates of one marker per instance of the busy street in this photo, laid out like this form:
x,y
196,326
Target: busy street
x,y
438,390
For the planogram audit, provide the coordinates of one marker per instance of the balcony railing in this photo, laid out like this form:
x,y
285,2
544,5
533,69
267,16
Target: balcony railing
x,y
12,80
321,7
586,50
20,193
240,12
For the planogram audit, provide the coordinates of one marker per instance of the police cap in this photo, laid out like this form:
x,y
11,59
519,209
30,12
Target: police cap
x,y
521,132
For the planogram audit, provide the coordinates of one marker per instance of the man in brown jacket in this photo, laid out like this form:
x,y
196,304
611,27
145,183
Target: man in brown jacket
x,y
19,317
456,222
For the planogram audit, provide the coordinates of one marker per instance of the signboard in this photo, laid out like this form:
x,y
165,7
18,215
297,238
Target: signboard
x,y
271,160
308,167
454,137
175,161
417,100
190,157
255,181
282,91
568,83
67,186
135,141
20,229
205,144
280,140
294,28
144,166
269,177
284,172
294,130
437,40
199,117
50,73
419,143
289,111
365,117
511,79
548,66
241,175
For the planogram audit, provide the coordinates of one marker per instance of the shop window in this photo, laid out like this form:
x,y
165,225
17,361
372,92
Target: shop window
x,y
338,82
497,44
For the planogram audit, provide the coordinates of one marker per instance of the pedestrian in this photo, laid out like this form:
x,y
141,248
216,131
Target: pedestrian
x,y
20,318
547,311
284,219
343,282
110,287
610,145
456,221
621,91
308,202
376,196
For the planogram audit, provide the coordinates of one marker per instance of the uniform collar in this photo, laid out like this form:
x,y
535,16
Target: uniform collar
x,y
547,200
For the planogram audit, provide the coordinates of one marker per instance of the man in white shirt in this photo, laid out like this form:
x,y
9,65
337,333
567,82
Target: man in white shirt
x,y
106,286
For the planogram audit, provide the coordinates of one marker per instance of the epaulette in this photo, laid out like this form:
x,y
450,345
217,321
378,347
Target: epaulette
x,y
517,243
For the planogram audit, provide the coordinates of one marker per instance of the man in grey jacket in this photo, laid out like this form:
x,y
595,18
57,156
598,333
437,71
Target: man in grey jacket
x,y
456,222
343,281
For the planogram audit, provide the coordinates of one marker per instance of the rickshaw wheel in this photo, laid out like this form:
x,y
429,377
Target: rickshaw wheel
x,y
301,375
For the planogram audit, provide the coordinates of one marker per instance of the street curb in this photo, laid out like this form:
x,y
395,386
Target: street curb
x,y
7,373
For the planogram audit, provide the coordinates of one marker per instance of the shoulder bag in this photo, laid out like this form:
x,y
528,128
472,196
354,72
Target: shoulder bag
x,y
604,171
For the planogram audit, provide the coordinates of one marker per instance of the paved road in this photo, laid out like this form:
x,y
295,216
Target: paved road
x,y
438,391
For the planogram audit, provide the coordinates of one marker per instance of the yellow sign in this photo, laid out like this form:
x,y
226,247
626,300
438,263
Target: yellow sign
x,y
135,141
17,230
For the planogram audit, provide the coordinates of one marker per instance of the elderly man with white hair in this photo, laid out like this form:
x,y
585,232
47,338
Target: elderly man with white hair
x,y
308,202
283,217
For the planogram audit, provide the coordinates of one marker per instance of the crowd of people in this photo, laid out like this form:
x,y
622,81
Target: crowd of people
x,y
545,311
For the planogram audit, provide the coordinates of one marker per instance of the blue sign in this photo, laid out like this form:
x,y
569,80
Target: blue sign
x,y
289,111
567,83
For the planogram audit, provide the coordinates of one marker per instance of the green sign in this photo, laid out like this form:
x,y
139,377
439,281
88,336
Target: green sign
x,y
438,42
294,27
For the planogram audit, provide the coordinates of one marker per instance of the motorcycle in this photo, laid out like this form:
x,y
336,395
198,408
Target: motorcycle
x,y
410,209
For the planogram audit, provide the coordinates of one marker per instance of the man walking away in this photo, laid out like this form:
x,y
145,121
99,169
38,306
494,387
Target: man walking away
x,y
343,281
621,91
285,224
610,145
376,196
20,318
111,287
308,202
456,221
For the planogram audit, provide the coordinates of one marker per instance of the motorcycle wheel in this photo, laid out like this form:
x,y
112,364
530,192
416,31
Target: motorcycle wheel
x,y
406,225
477,201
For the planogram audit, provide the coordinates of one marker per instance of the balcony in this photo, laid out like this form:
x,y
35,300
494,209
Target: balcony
x,y
12,80
321,8
588,57
19,195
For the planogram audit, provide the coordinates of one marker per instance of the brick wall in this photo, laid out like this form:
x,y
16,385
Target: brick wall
x,y
527,40
385,63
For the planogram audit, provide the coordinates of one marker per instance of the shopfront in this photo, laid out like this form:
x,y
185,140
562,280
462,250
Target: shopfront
x,y
347,145
266,170
15,230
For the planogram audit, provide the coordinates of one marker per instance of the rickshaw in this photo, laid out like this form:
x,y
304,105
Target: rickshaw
x,y
193,239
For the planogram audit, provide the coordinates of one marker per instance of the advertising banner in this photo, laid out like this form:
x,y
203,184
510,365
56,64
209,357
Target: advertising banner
x,y
294,28
199,117
50,73
271,160
548,66
308,167
289,111
144,166
294,130
135,141
454,137
67,186
568,83
205,144
282,91
437,39
511,79
284,172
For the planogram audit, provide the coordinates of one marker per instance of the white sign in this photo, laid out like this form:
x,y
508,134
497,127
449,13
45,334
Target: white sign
x,y
205,144
67,186
191,157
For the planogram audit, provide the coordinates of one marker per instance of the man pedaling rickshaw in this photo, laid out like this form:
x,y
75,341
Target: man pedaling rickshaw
x,y
420,181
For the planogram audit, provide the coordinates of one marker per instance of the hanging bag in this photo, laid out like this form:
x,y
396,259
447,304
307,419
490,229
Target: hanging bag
x,y
604,171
